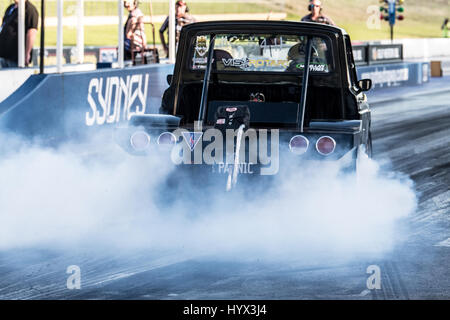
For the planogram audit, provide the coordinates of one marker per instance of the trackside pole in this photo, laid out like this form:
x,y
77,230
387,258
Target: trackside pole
x,y
392,33
120,56
205,88
42,50
80,31
21,35
59,35
302,105
233,175
172,44
152,24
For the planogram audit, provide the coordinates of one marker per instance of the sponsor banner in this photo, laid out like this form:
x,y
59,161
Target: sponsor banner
x,y
360,54
387,53
395,75
377,54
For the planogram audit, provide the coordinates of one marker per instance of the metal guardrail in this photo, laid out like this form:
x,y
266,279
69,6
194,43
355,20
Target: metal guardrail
x,y
101,54
367,54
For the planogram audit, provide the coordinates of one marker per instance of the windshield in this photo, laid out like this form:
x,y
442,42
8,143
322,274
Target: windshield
x,y
261,53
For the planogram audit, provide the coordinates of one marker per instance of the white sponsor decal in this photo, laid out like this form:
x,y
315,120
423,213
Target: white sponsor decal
x,y
240,63
317,67
313,67
192,138
225,168
201,48
208,148
387,76
247,63
114,99
199,60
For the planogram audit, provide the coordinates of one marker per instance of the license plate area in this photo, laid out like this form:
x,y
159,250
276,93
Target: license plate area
x,y
244,168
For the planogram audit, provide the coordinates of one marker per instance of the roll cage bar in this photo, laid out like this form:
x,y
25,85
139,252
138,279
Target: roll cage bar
x,y
301,106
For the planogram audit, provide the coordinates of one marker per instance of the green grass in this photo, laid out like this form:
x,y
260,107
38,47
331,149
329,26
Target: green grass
x,y
109,8
105,35
422,18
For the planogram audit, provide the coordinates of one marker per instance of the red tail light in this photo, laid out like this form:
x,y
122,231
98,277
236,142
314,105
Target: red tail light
x,y
166,138
140,140
325,145
299,144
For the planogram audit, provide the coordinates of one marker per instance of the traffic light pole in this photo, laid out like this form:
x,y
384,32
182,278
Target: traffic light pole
x,y
392,33
391,7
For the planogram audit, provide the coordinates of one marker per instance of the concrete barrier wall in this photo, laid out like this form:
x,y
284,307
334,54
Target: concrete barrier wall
x,y
11,79
424,48
59,106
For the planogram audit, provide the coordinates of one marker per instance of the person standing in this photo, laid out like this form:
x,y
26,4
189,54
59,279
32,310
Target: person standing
x,y
182,17
9,34
315,6
444,28
135,38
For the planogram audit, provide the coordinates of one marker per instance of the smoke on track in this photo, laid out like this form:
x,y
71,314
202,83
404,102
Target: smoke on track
x,y
74,196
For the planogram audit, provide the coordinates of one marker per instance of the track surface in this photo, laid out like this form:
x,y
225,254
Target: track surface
x,y
410,135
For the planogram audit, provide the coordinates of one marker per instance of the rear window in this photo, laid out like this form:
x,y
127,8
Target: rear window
x,y
261,53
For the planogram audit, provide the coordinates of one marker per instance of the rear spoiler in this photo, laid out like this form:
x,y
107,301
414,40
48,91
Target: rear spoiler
x,y
155,120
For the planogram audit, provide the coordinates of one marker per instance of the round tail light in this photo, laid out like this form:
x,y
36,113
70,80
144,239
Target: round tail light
x,y
299,144
166,138
140,140
325,145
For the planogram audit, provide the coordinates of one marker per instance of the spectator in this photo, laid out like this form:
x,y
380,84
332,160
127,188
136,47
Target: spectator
x,y
182,18
135,39
315,6
9,38
444,28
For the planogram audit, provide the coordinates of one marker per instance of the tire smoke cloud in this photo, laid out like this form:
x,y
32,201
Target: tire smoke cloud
x,y
77,195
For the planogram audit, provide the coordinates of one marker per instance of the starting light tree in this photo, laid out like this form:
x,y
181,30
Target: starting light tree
x,y
389,10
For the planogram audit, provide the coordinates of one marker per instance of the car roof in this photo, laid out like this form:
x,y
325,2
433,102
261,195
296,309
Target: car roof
x,y
274,25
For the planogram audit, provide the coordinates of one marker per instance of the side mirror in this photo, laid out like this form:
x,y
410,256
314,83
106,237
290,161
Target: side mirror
x,y
169,79
365,84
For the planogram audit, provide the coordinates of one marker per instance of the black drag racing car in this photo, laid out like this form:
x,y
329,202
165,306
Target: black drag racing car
x,y
248,98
